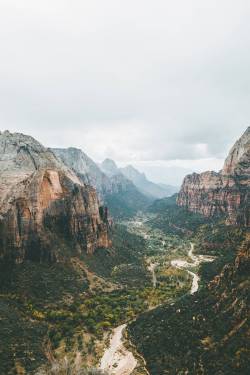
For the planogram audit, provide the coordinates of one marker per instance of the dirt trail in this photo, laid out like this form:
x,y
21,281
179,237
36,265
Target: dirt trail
x,y
151,268
117,359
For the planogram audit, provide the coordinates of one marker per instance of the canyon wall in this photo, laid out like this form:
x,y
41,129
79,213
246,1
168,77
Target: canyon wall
x,y
226,193
46,211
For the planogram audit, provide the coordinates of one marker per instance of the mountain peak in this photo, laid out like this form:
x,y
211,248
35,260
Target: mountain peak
x,y
109,162
147,187
212,194
109,167
238,158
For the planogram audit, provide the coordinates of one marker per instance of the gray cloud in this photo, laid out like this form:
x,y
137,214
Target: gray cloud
x,y
135,80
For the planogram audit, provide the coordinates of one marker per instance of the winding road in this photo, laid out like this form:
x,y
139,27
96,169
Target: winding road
x,y
117,359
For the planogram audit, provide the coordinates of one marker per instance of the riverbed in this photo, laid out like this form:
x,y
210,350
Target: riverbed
x,y
117,359
196,261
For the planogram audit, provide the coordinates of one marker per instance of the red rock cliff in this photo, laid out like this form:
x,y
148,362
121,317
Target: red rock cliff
x,y
46,212
226,192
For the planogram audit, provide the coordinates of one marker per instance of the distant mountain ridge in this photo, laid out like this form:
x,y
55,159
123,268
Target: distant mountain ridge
x,y
148,188
85,168
114,189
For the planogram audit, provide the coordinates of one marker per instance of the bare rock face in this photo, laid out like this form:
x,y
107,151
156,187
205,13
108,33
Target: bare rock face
x,y
46,212
225,193
104,181
87,170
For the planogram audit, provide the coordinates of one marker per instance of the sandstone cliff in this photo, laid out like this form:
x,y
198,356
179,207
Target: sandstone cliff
x,y
46,212
115,190
87,170
225,193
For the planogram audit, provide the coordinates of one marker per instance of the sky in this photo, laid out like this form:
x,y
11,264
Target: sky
x,y
160,84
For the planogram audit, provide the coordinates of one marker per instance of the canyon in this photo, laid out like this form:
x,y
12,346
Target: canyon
x,y
81,284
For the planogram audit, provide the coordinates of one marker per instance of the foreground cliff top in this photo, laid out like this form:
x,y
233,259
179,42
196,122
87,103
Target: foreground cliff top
x,y
21,156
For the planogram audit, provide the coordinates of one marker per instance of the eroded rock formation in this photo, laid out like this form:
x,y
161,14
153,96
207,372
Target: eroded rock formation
x,y
225,193
46,212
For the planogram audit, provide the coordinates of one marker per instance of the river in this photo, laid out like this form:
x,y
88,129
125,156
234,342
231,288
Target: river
x,y
196,261
117,359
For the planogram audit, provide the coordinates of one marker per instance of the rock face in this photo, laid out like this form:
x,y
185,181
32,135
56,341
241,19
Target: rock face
x,y
114,189
86,169
109,167
119,181
106,181
46,212
225,193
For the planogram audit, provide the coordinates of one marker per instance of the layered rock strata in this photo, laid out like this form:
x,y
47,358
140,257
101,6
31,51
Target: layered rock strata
x,y
46,212
225,193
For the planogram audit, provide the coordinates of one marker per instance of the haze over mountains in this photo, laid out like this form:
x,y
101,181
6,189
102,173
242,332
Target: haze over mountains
x,y
149,188
116,191
131,189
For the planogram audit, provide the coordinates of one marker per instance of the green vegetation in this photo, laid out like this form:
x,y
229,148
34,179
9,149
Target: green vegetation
x,y
217,240
69,368
125,204
27,292
123,263
205,333
172,219
68,307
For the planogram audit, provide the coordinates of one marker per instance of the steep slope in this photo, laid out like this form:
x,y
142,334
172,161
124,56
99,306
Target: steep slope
x,y
115,191
125,199
145,186
110,168
207,333
225,193
85,168
45,210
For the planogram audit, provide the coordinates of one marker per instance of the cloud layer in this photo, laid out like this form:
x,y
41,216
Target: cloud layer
x,y
136,80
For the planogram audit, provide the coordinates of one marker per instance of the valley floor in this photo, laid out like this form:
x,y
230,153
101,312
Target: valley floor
x,y
160,254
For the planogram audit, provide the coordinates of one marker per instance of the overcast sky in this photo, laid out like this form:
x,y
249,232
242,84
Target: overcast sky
x,y
161,84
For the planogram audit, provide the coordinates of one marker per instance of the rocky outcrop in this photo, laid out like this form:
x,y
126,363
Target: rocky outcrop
x,y
225,193
115,190
119,182
86,169
46,212
106,181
